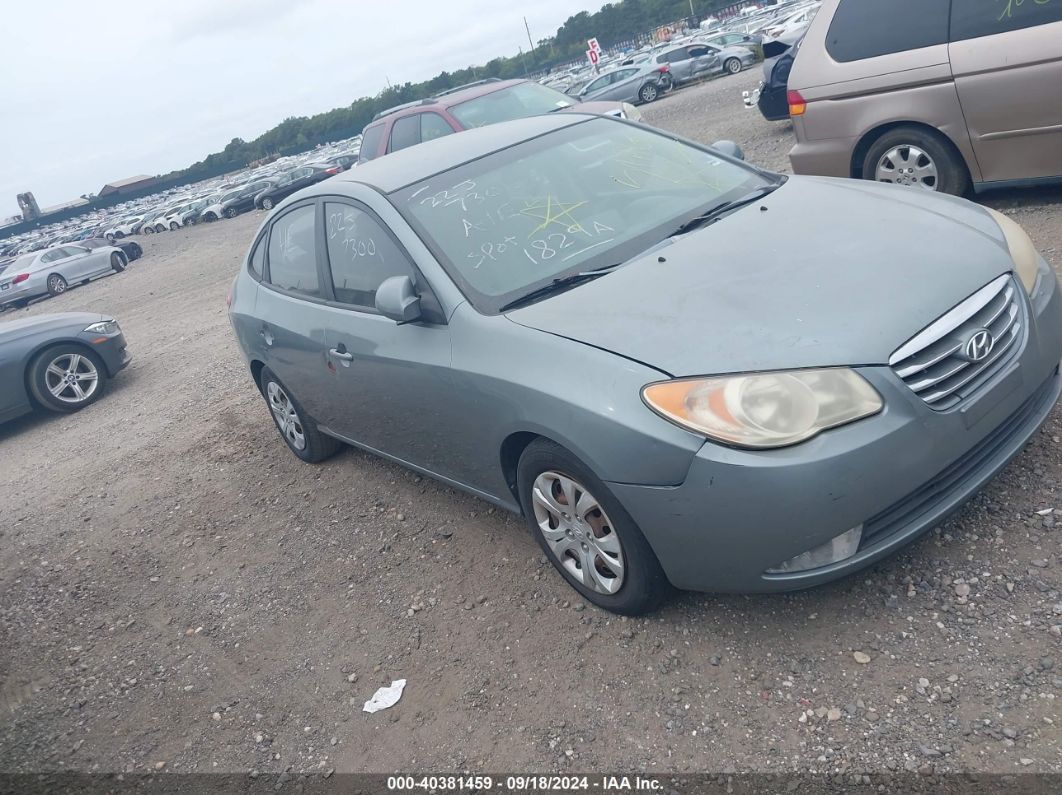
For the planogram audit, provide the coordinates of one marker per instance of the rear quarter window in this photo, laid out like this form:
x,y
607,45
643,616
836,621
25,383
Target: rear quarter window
x,y
972,19
370,142
870,28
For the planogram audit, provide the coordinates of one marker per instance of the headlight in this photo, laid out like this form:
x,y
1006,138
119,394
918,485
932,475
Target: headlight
x,y
107,328
1022,250
765,410
631,112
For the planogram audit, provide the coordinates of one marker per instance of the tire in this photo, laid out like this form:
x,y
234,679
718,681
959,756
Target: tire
x,y
624,561
267,203
297,428
210,217
231,212
147,230
159,229
135,251
56,284
66,378
109,238
903,148
119,235
174,226
117,262
732,66
648,93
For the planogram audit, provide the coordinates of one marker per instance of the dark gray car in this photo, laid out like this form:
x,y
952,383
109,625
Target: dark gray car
x,y
682,370
60,362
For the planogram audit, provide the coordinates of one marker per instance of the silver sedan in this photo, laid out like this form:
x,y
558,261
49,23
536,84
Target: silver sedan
x,y
51,271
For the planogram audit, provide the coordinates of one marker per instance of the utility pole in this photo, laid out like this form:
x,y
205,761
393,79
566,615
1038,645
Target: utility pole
x,y
528,29
524,61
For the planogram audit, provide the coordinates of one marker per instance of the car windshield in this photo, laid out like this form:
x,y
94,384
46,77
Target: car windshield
x,y
590,195
514,102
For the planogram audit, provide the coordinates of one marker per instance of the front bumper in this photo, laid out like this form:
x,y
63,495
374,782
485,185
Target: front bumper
x,y
899,473
114,352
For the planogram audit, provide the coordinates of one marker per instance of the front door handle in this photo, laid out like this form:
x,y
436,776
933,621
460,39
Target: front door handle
x,y
341,355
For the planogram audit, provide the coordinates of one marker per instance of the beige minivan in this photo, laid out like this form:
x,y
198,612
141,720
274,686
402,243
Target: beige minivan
x,y
938,94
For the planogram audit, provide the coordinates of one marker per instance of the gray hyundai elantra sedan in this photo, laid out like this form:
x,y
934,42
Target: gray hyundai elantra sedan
x,y
683,371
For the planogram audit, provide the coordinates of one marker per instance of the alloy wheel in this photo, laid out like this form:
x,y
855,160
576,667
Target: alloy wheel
x,y
287,418
649,93
907,165
578,532
71,378
56,284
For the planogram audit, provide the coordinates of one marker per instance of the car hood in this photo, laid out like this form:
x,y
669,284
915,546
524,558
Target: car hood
x,y
63,322
602,108
833,272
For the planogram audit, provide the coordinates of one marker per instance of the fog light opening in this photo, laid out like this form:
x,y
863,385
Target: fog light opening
x,y
833,551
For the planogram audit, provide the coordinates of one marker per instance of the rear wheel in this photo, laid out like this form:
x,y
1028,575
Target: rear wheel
x,y
916,158
648,93
732,65
119,235
56,284
267,203
66,378
231,212
117,262
587,535
297,428
147,230
174,226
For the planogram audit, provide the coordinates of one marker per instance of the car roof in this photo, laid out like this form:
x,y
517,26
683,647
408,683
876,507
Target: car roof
x,y
406,166
447,100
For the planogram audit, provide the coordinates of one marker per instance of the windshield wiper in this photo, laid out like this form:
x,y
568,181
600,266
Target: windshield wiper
x,y
714,212
559,284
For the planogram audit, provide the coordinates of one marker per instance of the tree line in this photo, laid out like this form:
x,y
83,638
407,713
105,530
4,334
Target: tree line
x,y
612,24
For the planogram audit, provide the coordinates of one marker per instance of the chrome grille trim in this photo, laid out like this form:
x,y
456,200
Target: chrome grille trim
x,y
932,363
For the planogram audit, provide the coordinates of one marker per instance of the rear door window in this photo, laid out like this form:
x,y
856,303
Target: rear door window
x,y
869,28
405,132
292,252
971,19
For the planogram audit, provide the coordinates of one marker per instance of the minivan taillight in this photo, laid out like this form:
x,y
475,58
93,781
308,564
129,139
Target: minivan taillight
x,y
797,104
20,278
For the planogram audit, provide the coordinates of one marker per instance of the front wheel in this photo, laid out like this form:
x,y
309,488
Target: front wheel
x,y
916,158
117,262
267,203
648,93
66,378
296,427
174,226
732,65
231,213
147,230
587,535
56,284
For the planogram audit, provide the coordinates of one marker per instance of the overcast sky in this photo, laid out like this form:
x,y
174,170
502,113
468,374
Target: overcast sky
x,y
92,92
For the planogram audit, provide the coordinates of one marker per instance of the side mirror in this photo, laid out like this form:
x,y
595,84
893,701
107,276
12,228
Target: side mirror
x,y
397,299
729,148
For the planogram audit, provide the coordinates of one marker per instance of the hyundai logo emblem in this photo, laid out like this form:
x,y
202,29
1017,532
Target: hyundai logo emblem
x,y
979,345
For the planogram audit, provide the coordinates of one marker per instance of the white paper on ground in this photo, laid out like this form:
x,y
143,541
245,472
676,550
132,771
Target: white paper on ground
x,y
386,696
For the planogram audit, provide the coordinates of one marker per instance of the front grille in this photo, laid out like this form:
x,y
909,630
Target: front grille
x,y
934,363
957,477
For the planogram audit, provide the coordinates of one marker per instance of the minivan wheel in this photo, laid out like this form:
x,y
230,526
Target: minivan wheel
x,y
648,93
916,158
732,65
296,427
585,532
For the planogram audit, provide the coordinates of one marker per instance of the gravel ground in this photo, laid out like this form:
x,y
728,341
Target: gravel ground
x,y
178,592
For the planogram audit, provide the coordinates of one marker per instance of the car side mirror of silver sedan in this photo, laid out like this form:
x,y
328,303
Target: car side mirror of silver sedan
x,y
397,299
728,148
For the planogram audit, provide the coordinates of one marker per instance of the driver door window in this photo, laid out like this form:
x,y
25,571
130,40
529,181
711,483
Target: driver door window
x,y
361,254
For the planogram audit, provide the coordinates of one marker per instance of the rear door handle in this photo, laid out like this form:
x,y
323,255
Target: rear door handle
x,y
343,356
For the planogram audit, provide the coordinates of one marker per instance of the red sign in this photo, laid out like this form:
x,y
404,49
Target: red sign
x,y
594,56
593,45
